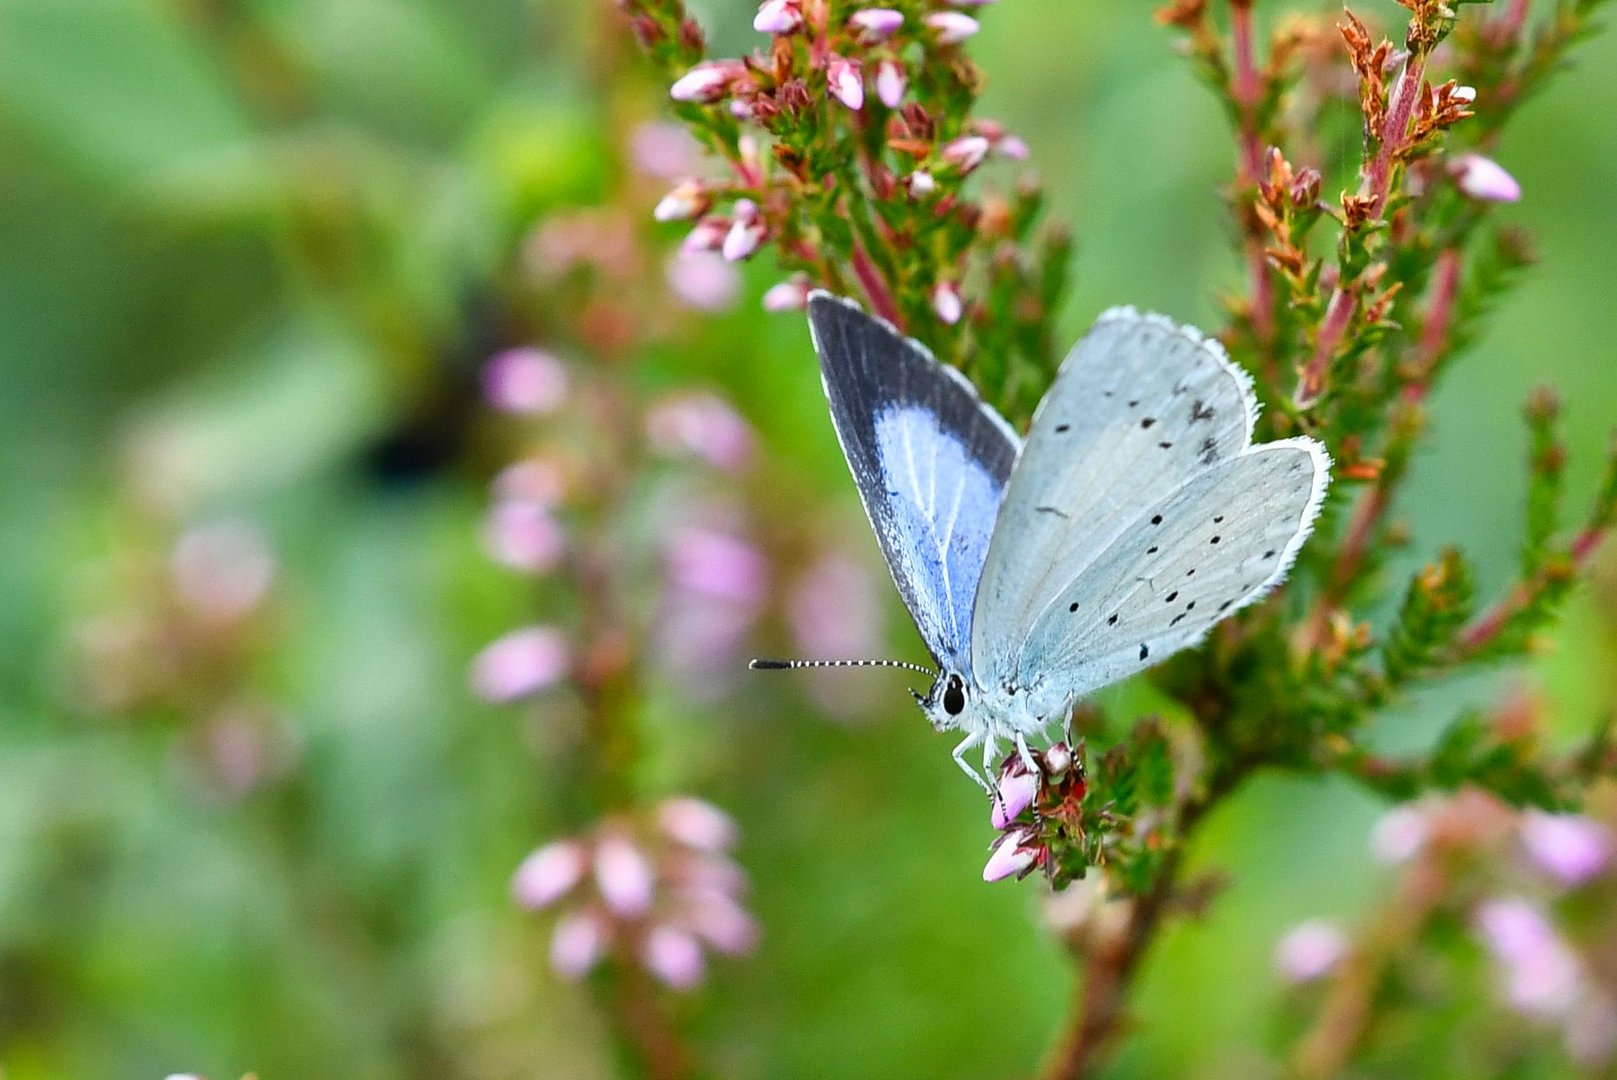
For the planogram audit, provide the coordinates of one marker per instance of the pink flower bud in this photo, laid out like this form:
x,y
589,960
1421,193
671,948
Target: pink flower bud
x,y
684,202
703,425
1057,760
708,235
702,280
741,109
1017,790
876,24
722,923
966,152
777,17
673,956
1400,834
523,536
624,877
527,381
1485,179
1010,856
548,874
1467,94
946,302
845,82
222,571
522,662
1570,848
890,83
1309,951
697,824
788,295
577,944
746,233
951,27
1012,147
705,83
920,183
1540,973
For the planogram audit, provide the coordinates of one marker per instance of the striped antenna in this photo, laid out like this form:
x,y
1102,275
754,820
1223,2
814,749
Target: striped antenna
x,y
792,665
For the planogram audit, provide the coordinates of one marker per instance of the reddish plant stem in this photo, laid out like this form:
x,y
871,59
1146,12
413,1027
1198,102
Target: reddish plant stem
x,y
1489,625
881,299
1246,88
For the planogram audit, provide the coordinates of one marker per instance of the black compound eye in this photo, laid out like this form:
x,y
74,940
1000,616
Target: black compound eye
x,y
954,697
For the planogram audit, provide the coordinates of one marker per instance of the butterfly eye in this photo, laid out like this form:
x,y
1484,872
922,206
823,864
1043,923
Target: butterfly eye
x,y
954,697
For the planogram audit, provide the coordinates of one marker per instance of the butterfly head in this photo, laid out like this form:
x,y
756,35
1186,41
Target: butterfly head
x,y
946,703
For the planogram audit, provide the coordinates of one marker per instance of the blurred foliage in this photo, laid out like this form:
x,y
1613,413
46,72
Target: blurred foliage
x,y
251,264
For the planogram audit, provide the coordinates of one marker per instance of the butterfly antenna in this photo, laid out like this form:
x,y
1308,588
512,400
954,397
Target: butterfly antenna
x,y
792,665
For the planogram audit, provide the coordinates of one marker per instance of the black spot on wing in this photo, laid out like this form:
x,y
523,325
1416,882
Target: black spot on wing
x,y
1051,510
1200,411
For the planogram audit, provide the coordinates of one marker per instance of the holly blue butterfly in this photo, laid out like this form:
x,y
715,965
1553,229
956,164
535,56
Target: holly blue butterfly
x,y
1136,515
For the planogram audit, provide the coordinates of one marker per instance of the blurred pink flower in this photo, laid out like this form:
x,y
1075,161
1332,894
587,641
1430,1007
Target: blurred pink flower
x,y
707,235
697,824
673,956
538,480
946,302
876,24
684,201
703,425
1467,94
716,565
1309,951
890,83
525,380
1014,852
707,82
778,17
624,876
703,280
522,662
1591,1030
222,570
721,922
951,27
966,152
846,82
664,150
1568,847
523,535
920,183
834,609
1540,972
788,295
1400,834
1012,147
1484,178
747,231
578,943
548,874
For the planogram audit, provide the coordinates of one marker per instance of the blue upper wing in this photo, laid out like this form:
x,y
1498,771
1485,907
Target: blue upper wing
x,y
929,457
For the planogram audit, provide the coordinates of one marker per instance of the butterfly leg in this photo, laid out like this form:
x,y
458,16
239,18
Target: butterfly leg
x,y
960,759
1025,754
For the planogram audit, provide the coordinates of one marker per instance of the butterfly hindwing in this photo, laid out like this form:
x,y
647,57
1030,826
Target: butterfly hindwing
x,y
1144,417
931,462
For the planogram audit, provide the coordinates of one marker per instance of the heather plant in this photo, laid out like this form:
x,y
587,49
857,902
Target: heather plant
x,y
1353,307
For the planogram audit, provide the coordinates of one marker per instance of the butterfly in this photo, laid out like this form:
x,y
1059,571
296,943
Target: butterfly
x,y
1136,515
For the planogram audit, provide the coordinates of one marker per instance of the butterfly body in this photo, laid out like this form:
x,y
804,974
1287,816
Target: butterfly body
x,y
1137,514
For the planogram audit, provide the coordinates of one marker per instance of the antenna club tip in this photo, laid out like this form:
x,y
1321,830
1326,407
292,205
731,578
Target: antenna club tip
x,y
756,664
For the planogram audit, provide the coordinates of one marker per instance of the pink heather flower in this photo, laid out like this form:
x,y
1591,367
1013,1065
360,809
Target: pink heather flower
x,y
538,480
1484,178
1467,94
703,425
946,302
890,83
1017,790
720,921
717,565
1309,951
687,199
1591,1030
1057,760
951,27
777,17
788,295
697,824
708,235
846,82
920,183
1012,854
673,956
1570,848
624,877
876,24
705,83
664,150
1540,972
834,609
222,570
523,536
746,233
577,944
702,280
527,381
1400,834
548,874
1011,146
522,662
741,109
966,152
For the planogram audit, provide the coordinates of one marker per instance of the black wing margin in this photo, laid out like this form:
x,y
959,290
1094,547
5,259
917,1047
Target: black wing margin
x,y
929,457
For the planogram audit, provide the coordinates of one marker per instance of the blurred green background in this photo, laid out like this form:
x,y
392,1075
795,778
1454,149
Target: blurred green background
x,y
242,246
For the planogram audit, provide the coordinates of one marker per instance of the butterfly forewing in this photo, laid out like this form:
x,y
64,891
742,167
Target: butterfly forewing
x,y
1182,563
1139,407
930,461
